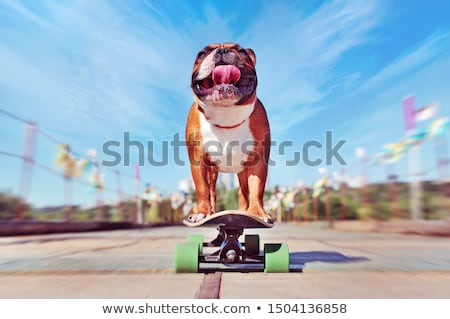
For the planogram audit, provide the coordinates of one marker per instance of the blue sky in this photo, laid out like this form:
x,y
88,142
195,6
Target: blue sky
x,y
88,71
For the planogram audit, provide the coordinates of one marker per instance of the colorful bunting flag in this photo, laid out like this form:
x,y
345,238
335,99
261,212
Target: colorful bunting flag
x,y
319,186
439,127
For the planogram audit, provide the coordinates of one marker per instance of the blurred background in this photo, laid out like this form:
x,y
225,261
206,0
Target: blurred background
x,y
78,74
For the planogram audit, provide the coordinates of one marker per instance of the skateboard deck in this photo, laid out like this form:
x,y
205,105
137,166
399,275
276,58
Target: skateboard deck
x,y
230,218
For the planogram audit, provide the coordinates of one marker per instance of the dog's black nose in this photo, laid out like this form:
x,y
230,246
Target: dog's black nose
x,y
220,55
224,56
222,51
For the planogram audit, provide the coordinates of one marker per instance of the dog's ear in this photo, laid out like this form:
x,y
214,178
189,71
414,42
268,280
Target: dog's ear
x,y
252,55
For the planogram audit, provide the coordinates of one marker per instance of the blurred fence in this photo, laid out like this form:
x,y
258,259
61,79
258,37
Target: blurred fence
x,y
75,172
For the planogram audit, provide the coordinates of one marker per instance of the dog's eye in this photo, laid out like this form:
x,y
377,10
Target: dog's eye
x,y
200,55
242,51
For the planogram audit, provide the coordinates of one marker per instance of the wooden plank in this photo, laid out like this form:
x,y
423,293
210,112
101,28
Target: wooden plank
x,y
210,288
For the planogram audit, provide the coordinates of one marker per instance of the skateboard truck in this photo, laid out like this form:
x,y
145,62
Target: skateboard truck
x,y
231,250
231,255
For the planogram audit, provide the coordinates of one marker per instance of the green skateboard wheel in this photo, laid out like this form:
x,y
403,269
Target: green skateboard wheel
x,y
252,244
196,239
186,257
276,258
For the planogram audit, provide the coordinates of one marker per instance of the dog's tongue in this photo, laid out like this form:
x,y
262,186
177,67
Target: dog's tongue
x,y
226,74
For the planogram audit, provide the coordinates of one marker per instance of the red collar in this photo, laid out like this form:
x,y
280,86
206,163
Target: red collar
x,y
230,127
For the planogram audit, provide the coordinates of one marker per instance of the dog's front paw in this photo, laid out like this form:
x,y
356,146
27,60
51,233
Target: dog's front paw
x,y
267,218
261,214
195,217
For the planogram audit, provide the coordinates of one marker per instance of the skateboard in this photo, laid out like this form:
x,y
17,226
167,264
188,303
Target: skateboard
x,y
226,252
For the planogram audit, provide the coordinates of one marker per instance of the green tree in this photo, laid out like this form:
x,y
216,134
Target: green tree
x,y
231,199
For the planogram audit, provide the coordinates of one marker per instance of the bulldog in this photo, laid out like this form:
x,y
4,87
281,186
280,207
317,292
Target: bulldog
x,y
227,128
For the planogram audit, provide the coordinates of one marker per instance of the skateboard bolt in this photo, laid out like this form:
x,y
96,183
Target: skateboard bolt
x,y
231,255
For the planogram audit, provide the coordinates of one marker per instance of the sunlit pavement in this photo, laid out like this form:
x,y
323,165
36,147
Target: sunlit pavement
x,y
139,264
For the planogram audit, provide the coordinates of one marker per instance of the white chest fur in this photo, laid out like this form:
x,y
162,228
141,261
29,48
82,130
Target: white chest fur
x,y
228,147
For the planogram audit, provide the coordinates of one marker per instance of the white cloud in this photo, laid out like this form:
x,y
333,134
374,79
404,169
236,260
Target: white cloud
x,y
420,71
410,61
105,70
27,14
299,53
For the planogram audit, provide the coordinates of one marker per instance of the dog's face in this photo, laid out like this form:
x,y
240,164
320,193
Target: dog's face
x,y
224,75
